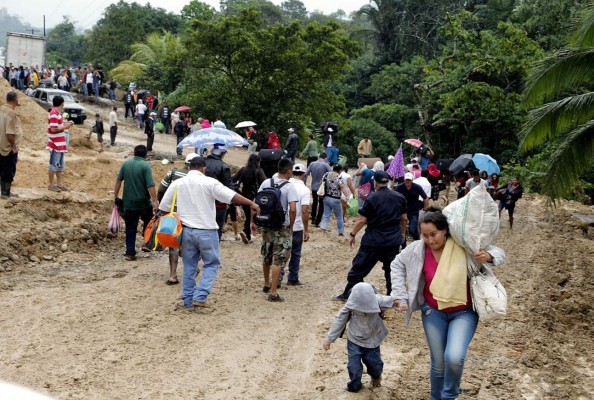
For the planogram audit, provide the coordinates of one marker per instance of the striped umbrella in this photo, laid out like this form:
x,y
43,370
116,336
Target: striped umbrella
x,y
396,168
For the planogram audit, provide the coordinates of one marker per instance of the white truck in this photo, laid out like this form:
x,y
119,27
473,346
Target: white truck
x,y
24,49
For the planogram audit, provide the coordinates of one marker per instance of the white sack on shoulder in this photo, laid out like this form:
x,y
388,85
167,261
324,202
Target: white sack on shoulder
x,y
473,219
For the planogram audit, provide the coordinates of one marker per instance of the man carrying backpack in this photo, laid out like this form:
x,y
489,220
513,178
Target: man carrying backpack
x,y
277,199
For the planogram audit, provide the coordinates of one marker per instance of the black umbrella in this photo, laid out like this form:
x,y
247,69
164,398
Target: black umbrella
x,y
460,164
443,164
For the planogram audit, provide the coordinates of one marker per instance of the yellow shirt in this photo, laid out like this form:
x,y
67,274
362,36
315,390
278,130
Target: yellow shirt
x,y
10,124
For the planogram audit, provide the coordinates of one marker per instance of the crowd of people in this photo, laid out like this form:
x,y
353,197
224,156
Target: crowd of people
x,y
204,192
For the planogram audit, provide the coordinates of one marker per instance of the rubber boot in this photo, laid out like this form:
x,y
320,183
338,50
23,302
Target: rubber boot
x,y
5,195
6,191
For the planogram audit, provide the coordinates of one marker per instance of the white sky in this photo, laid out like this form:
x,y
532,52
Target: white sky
x,y
87,12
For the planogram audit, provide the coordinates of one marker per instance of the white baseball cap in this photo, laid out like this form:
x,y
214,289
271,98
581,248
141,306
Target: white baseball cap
x,y
298,168
191,156
409,175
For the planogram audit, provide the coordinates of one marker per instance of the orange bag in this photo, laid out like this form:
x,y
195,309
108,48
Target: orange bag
x,y
150,235
170,230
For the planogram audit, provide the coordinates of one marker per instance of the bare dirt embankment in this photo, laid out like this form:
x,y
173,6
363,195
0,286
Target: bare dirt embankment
x,y
79,322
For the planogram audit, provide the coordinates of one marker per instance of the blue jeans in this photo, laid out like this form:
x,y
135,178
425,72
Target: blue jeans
x,y
332,205
358,356
196,244
141,121
413,225
448,336
111,94
296,245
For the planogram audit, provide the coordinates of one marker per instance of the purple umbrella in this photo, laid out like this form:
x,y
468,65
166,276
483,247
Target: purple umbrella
x,y
396,168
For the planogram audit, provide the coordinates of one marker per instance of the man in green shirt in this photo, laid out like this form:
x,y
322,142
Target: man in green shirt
x,y
139,198
310,151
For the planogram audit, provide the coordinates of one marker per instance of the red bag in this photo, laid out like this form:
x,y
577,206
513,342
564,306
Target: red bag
x,y
364,190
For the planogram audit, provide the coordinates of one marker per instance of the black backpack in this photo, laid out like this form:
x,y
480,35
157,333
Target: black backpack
x,y
272,213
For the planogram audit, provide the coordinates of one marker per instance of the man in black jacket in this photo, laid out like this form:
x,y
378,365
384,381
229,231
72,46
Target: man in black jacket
x,y
149,131
218,169
165,116
129,104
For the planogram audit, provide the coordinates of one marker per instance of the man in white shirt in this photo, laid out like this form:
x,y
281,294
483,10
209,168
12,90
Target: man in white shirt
x,y
113,125
300,227
140,110
195,199
424,183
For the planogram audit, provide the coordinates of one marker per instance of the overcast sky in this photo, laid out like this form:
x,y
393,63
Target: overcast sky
x,y
87,12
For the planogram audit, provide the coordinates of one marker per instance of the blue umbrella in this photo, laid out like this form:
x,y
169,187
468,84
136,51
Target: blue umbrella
x,y
484,162
208,137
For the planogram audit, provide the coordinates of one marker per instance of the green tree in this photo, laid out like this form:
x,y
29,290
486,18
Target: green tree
x,y
277,75
123,24
564,82
294,9
269,12
197,10
64,45
155,64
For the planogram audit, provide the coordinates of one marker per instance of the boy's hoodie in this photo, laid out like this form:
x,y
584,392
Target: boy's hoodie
x,y
366,327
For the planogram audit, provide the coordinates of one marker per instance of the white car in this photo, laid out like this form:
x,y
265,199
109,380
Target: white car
x,y
45,97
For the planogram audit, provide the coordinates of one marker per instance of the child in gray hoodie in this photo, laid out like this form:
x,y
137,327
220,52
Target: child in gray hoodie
x,y
365,334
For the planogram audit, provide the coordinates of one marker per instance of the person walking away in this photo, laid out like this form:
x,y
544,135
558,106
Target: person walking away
x,y
218,169
140,110
149,131
249,179
333,189
99,130
11,133
112,88
129,104
512,195
195,199
365,147
165,116
411,191
179,129
347,179
172,175
384,213
317,170
423,182
291,145
89,82
300,227
310,151
113,125
276,242
57,144
424,268
139,197
364,314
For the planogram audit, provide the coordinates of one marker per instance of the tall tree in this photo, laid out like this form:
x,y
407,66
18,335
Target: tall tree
x,y
122,25
564,82
64,45
277,75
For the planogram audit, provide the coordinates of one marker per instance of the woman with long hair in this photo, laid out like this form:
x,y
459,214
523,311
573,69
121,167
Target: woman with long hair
x,y
249,179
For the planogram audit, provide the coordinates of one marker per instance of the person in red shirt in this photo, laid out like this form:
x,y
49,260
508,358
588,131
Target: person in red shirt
x,y
57,144
273,140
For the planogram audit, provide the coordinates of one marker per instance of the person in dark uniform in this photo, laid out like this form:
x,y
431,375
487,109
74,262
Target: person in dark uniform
x,y
411,191
384,213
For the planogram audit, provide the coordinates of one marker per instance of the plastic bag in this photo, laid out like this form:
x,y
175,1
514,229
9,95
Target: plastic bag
x,y
114,224
353,209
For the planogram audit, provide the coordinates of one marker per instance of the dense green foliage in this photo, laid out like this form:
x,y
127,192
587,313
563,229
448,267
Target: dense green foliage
x,y
451,73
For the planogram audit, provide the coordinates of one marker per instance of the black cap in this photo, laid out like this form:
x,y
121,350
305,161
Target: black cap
x,y
381,177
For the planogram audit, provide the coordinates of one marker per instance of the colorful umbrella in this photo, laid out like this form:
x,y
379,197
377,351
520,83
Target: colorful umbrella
x,y
485,162
414,142
396,168
183,109
210,136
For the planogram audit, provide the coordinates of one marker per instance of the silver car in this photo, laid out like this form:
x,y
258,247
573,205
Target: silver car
x,y
45,97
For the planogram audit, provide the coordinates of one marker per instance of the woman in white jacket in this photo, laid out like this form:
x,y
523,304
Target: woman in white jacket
x,y
430,275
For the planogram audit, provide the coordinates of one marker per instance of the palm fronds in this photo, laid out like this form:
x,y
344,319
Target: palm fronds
x,y
583,29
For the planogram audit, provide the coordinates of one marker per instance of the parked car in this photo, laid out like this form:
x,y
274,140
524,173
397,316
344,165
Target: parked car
x,y
44,97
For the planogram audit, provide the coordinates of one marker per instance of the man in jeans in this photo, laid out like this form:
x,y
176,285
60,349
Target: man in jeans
x,y
276,243
196,194
139,198
300,227
317,169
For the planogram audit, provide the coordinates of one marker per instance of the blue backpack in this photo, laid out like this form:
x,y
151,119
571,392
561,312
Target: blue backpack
x,y
272,213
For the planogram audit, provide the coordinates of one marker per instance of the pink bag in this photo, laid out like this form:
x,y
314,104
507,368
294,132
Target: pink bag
x,y
114,224
364,190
